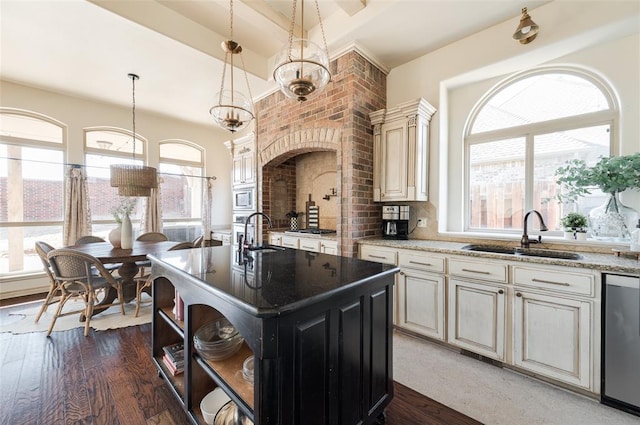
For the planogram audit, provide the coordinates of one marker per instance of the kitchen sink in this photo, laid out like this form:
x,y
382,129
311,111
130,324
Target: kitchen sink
x,y
266,248
529,252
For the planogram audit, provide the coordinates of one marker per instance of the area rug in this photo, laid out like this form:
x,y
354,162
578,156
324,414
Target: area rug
x,y
20,319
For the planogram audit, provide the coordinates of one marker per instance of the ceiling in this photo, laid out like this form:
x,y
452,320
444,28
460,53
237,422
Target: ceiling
x,y
87,48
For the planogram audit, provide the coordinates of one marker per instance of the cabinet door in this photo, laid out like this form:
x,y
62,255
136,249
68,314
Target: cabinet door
x,y
394,161
329,247
551,336
243,172
476,320
421,303
275,239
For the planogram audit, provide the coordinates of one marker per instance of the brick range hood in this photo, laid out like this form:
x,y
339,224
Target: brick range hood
x,y
336,120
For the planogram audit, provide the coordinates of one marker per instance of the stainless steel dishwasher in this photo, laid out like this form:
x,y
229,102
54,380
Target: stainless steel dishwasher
x,y
621,342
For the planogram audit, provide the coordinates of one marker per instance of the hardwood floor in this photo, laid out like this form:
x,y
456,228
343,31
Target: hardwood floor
x,y
108,378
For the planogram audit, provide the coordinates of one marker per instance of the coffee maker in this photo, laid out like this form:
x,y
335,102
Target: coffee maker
x,y
395,221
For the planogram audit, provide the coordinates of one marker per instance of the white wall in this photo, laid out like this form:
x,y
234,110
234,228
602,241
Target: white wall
x,y
602,36
79,113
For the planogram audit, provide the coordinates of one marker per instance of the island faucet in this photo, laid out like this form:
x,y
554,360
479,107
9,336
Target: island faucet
x,y
525,241
243,244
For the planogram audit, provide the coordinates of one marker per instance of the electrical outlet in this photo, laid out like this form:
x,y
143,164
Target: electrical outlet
x,y
422,222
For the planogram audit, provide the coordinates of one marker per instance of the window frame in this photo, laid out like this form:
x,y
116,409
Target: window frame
x,y
529,131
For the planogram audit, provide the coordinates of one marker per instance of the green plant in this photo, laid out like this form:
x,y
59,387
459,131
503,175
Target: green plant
x,y
610,174
126,206
294,214
574,221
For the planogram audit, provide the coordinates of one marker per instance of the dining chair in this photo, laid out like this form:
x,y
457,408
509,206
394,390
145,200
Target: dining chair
x,y
72,272
42,249
197,242
145,281
153,237
83,240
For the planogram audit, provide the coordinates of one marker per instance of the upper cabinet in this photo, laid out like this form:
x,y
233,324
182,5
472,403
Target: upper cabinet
x,y
243,152
401,152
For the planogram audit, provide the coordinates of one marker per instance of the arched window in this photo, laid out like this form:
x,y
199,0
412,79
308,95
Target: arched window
x,y
32,157
520,133
182,169
103,147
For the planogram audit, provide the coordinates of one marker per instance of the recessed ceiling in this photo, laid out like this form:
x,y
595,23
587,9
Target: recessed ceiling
x,y
87,48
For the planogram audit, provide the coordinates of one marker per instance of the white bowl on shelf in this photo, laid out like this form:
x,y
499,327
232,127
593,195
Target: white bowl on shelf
x,y
211,404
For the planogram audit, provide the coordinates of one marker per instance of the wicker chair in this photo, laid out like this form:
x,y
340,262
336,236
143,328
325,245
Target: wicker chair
x,y
42,249
145,281
152,236
197,242
72,272
83,240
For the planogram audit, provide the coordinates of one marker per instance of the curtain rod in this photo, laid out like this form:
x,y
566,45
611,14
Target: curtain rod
x,y
104,168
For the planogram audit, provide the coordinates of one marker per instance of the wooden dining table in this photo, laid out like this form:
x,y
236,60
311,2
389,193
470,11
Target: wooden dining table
x,y
128,260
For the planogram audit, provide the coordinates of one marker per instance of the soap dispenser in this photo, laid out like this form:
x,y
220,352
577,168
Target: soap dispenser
x,y
635,239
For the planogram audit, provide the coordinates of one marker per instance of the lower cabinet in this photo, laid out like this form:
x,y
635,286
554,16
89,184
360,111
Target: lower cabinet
x,y
552,337
420,304
476,319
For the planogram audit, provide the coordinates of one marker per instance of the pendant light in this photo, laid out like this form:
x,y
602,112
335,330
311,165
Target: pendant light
x,y
302,69
233,111
133,179
527,30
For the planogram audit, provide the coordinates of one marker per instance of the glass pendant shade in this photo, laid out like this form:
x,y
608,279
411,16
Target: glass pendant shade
x,y
303,70
233,111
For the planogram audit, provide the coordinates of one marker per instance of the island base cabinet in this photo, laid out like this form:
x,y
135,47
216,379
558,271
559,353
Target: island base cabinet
x,y
421,303
552,337
477,318
335,368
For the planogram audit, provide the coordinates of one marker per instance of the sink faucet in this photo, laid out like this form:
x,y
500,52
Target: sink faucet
x,y
525,241
243,244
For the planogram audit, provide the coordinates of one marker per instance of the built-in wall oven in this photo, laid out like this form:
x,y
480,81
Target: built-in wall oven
x,y
238,227
244,199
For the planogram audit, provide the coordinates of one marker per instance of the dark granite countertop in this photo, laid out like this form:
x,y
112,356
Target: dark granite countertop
x,y
589,260
273,282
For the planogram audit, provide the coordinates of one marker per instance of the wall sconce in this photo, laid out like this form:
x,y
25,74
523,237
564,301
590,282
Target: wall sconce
x,y
527,30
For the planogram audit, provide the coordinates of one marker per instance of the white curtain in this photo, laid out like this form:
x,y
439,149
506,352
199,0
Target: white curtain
x,y
77,214
207,202
152,220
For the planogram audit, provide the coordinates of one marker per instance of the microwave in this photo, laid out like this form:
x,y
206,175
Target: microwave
x,y
244,199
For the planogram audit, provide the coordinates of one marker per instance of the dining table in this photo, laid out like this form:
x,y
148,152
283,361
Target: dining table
x,y
129,264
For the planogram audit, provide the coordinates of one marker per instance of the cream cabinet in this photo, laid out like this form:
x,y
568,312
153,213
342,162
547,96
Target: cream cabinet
x,y
477,317
401,152
311,244
329,247
243,162
275,239
555,318
421,293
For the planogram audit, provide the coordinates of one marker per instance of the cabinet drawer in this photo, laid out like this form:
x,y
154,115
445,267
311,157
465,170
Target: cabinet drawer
x,y
421,261
290,242
312,245
378,254
482,270
558,280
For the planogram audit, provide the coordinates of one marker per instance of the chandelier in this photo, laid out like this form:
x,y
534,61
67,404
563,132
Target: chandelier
x,y
233,111
302,69
133,179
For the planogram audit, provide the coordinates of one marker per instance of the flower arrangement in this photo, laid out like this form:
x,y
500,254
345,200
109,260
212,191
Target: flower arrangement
x,y
126,206
291,214
611,175
575,221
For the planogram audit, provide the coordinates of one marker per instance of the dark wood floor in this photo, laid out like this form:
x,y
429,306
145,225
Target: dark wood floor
x,y
108,378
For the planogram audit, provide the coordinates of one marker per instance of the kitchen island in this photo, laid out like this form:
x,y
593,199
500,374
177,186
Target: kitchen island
x,y
319,326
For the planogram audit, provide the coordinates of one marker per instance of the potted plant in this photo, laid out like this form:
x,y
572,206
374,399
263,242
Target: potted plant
x,y
575,226
612,175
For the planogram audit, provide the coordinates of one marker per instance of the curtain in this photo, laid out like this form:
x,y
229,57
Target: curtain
x,y
207,202
77,213
152,220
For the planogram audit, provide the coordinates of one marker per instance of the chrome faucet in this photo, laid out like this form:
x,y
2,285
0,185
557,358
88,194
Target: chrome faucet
x,y
525,241
243,244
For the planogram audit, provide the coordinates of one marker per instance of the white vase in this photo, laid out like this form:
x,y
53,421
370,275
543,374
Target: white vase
x,y
581,236
115,236
127,233
568,234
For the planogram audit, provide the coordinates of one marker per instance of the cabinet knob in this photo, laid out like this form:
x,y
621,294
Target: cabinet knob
x,y
518,294
501,291
402,273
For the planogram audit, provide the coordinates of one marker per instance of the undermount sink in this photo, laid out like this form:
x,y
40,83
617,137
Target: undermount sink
x,y
529,252
266,248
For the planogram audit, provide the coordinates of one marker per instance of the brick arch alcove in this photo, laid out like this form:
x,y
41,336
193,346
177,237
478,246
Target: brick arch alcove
x,y
335,120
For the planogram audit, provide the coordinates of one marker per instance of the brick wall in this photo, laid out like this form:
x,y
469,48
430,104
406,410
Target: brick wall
x,y
336,120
